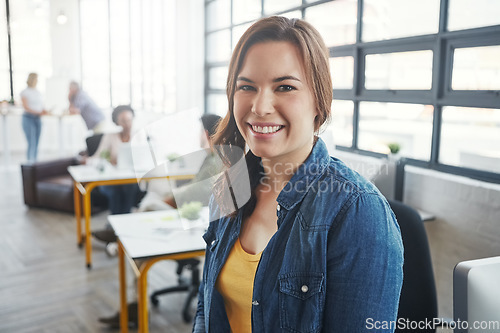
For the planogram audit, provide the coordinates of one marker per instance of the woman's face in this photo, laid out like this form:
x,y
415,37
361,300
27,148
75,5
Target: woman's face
x,y
125,119
274,105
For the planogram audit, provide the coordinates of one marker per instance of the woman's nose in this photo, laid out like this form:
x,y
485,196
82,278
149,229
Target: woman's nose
x,y
263,103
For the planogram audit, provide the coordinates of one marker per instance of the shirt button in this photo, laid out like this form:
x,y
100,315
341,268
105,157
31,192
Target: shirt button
x,y
278,208
304,288
255,303
213,242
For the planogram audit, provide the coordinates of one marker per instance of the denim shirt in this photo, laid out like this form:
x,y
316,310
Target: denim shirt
x,y
335,263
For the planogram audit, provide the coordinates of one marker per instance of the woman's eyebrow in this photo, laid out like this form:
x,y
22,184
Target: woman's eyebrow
x,y
278,79
242,78
286,77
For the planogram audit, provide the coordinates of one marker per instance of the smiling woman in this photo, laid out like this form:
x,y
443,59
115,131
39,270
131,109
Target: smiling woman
x,y
317,247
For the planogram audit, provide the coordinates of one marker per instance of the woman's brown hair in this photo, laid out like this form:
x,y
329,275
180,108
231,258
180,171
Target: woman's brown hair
x,y
315,59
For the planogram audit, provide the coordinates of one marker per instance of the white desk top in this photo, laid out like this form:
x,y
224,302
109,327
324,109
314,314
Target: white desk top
x,y
151,234
90,173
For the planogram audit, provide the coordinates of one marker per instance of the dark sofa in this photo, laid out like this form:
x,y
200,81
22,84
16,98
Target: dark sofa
x,y
47,184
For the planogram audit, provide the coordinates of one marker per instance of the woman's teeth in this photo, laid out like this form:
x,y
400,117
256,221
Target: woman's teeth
x,y
266,129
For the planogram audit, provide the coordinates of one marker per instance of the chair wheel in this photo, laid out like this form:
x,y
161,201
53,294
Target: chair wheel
x,y
154,301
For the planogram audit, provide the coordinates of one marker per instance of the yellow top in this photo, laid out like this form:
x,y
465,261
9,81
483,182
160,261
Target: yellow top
x,y
235,283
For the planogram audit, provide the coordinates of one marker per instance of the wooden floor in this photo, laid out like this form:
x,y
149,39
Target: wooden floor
x,y
44,283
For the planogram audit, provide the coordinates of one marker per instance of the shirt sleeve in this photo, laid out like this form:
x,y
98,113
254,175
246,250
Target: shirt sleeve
x,y
364,268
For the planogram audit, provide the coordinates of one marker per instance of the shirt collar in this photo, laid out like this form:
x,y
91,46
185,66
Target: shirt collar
x,y
305,176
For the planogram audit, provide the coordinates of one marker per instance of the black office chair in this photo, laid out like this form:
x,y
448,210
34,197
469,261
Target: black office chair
x,y
93,143
418,301
190,285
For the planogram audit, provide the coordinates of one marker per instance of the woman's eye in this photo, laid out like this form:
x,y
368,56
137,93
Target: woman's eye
x,y
285,87
245,88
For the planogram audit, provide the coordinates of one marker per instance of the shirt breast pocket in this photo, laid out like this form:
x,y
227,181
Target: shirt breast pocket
x,y
301,297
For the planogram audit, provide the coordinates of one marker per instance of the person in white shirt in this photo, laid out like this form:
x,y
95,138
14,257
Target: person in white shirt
x,y
33,109
121,198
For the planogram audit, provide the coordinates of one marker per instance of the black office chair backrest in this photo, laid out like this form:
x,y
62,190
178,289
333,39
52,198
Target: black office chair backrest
x,y
418,301
93,143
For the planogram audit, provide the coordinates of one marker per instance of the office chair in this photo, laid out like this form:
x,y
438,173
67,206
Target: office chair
x,y
190,285
418,301
93,143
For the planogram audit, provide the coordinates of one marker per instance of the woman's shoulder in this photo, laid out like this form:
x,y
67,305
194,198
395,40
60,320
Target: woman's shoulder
x,y
336,189
342,176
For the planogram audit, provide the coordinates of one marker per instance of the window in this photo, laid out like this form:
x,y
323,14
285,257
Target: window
x,y
30,43
95,50
125,53
395,18
471,138
404,73
340,130
342,72
465,14
336,21
476,68
271,7
248,10
217,14
4,57
219,46
217,77
409,125
401,70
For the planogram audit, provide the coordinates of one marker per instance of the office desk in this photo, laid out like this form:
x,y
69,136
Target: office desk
x,y
146,238
86,178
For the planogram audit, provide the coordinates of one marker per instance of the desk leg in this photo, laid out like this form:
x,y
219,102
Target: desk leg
x,y
88,240
123,290
142,300
78,214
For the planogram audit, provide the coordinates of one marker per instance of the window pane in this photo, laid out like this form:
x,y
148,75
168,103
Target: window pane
x,y
30,30
339,131
476,68
120,52
217,104
4,58
395,18
218,14
246,10
169,56
336,21
274,6
292,14
219,46
217,77
464,14
95,50
147,56
238,31
401,70
342,72
409,125
471,138
136,55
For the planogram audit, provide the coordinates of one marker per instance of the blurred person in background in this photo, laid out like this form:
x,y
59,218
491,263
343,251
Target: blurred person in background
x,y
33,108
81,103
